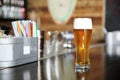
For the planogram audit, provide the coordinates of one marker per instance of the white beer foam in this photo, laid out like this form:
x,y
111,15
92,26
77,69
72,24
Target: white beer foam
x,y
82,23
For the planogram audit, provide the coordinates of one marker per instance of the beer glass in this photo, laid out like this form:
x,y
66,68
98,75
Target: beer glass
x,y
82,34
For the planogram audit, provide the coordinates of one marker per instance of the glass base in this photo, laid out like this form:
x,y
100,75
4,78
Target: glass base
x,y
82,68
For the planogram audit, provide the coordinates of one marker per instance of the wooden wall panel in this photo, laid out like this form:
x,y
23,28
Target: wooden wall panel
x,y
38,10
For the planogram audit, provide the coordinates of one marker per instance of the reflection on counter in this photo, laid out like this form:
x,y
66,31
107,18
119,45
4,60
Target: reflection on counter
x,y
57,68
24,72
83,76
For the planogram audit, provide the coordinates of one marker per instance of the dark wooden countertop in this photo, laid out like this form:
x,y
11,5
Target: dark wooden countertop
x,y
105,65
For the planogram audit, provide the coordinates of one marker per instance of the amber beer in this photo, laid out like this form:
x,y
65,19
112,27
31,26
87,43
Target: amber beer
x,y
82,35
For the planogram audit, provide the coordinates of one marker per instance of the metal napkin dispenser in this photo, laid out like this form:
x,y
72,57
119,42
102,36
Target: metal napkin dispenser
x,y
17,51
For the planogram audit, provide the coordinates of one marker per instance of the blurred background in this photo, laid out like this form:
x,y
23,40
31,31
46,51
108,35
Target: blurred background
x,y
39,10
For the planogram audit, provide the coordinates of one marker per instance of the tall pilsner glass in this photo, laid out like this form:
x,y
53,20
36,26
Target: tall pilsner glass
x,y
82,34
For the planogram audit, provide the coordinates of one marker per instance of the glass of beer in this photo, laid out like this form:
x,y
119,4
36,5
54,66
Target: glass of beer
x,y
82,34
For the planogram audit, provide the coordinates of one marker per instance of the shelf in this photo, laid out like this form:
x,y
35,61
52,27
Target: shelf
x,y
12,9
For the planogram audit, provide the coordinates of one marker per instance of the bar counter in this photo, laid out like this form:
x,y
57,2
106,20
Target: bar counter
x,y
105,65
